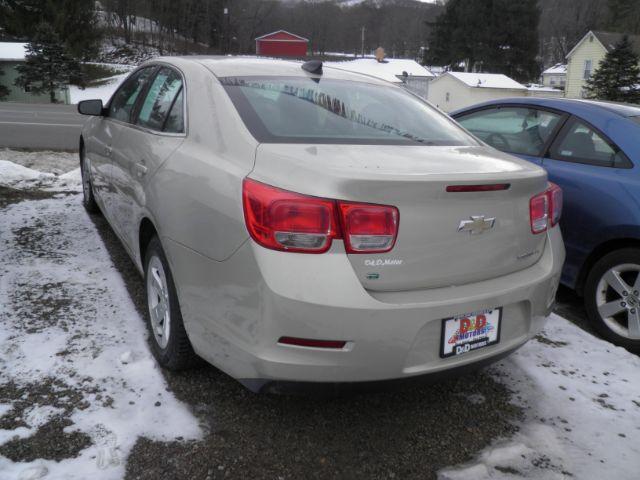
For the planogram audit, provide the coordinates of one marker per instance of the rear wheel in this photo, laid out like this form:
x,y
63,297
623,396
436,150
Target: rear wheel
x,y
612,297
88,200
169,341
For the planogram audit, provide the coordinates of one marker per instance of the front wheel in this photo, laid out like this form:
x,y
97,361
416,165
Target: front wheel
x,y
612,297
169,341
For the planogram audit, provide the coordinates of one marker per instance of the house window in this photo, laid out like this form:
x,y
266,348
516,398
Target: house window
x,y
447,97
552,81
587,69
27,89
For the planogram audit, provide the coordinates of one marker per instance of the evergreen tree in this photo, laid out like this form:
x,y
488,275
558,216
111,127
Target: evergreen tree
x,y
47,66
618,76
4,91
495,36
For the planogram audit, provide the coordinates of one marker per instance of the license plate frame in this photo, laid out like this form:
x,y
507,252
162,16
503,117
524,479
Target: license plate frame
x,y
475,341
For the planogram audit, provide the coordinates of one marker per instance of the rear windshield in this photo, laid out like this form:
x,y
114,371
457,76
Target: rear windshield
x,y
303,110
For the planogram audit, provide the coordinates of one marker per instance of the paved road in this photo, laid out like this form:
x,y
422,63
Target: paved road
x,y
39,126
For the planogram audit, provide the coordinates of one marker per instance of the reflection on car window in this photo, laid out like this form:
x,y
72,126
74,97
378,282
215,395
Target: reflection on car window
x,y
302,110
512,129
175,120
583,144
123,101
164,89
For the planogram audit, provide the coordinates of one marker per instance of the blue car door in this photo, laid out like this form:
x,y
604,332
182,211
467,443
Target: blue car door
x,y
590,169
522,130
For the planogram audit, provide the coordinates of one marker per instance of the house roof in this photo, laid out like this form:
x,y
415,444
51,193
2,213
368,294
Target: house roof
x,y
12,51
609,40
484,80
557,69
388,70
282,36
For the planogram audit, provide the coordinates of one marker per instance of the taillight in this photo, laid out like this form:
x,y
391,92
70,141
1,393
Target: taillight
x,y
288,221
283,220
545,209
368,228
554,193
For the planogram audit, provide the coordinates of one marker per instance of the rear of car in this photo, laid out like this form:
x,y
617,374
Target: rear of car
x,y
330,227
385,242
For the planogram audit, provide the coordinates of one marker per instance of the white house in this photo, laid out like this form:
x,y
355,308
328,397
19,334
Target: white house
x,y
414,76
584,59
555,77
453,90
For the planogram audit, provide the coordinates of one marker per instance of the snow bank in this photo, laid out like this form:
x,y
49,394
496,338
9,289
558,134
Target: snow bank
x,y
12,173
582,401
102,92
65,314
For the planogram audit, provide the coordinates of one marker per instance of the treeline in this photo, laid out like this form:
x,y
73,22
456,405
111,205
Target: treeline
x,y
517,37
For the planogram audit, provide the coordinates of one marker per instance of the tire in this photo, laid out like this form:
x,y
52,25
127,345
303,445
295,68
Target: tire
x,y
613,288
88,200
169,342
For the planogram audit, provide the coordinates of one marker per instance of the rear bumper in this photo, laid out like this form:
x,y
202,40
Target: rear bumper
x,y
235,312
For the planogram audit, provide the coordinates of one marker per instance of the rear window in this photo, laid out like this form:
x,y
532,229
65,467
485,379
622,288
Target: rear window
x,y
304,110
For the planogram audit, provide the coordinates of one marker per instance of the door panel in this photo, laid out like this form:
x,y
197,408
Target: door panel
x,y
143,147
98,148
598,191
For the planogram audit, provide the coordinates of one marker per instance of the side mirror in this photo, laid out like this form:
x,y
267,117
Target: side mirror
x,y
90,107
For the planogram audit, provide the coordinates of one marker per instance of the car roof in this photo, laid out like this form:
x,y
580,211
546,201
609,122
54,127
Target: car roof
x,y
240,66
570,105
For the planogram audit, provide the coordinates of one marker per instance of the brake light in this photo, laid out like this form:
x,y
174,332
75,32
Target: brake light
x,y
312,343
545,209
368,228
494,187
288,221
555,204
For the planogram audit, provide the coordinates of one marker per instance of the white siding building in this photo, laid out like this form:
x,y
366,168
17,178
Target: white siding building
x,y
555,77
453,90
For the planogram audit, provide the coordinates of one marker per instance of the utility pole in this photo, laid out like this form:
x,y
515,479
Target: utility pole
x,y
362,50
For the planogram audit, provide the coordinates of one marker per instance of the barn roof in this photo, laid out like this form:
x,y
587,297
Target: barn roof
x,y
12,51
282,36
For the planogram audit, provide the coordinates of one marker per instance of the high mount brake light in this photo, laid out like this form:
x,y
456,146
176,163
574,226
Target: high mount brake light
x,y
292,222
545,209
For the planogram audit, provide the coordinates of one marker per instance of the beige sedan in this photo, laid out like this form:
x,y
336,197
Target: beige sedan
x,y
299,225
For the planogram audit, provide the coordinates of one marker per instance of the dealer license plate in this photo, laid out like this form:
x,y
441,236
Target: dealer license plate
x,y
469,332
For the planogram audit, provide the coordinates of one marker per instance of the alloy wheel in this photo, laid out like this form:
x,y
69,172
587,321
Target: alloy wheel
x,y
618,300
158,301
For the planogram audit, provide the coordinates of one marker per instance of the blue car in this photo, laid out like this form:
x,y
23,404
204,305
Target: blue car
x,y
592,150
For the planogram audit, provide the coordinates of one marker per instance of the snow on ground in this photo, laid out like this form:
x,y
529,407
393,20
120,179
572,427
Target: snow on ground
x,y
102,92
69,331
582,401
42,161
67,323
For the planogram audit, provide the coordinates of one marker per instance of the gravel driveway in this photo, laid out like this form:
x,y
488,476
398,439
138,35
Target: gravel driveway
x,y
80,394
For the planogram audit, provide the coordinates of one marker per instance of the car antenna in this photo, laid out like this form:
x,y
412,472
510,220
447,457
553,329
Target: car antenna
x,y
313,66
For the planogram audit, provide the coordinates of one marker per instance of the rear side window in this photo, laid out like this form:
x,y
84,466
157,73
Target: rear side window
x,y
520,130
581,143
159,100
123,101
304,110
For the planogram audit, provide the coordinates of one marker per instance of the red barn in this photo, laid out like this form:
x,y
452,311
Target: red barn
x,y
281,44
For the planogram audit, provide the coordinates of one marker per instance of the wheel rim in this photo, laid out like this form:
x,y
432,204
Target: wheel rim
x,y
86,183
618,300
158,301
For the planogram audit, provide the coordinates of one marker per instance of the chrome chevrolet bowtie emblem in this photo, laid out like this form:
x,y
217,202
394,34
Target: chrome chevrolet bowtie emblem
x,y
478,224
